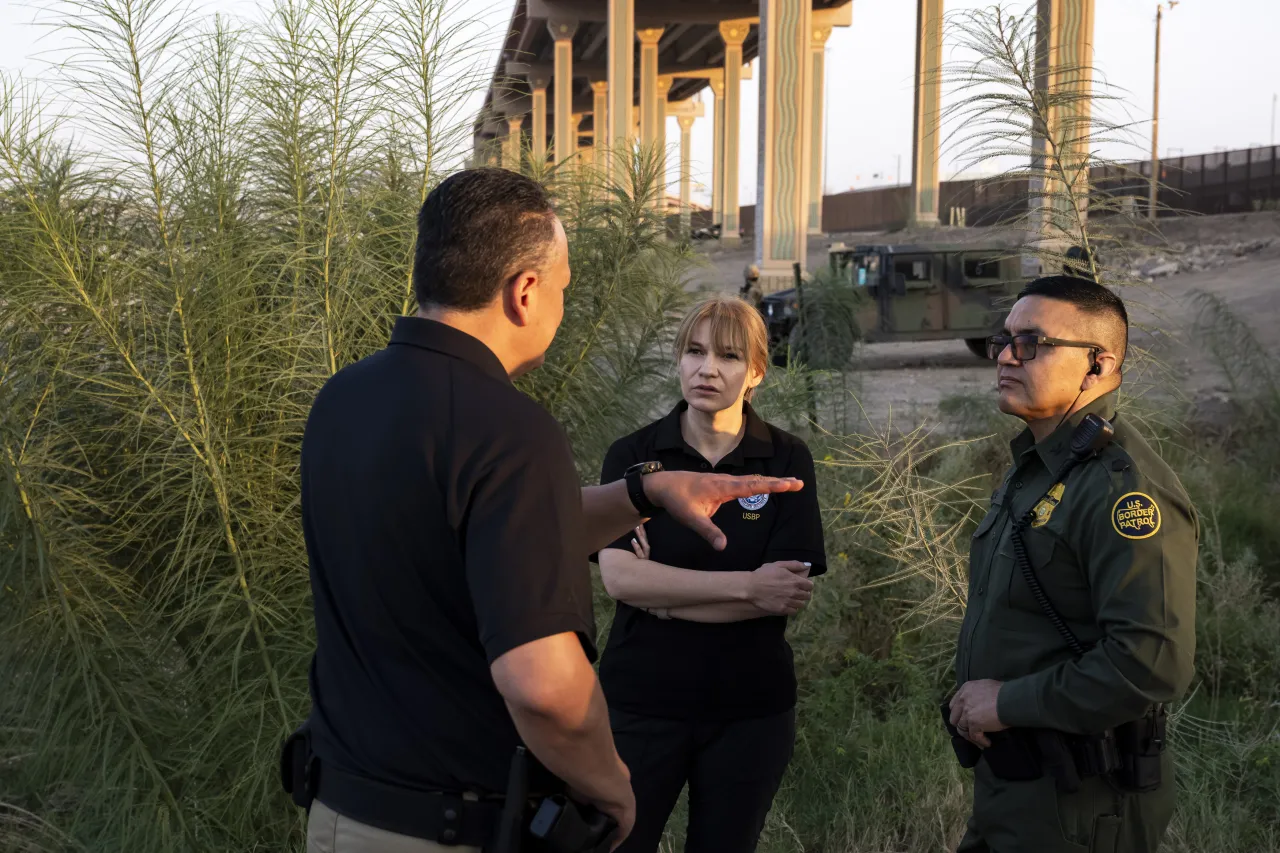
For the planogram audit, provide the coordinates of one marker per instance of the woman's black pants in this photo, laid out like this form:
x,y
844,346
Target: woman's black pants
x,y
733,769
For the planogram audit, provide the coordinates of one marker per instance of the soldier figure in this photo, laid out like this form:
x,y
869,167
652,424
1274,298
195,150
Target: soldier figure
x,y
1080,624
750,289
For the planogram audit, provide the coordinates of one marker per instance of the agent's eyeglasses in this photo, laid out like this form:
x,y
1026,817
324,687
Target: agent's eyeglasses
x,y
1024,346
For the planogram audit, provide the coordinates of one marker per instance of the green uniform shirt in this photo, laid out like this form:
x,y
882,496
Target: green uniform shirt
x,y
1116,554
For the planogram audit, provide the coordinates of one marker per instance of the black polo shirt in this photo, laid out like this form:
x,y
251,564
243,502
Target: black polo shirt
x,y
689,670
443,516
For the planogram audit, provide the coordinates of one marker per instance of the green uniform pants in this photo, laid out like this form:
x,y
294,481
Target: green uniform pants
x,y
1033,817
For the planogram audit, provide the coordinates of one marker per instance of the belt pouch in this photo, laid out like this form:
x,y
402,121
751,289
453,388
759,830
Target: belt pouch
x,y
1013,756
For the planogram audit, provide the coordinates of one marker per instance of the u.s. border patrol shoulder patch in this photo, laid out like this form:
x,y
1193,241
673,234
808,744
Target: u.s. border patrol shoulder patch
x,y
1136,516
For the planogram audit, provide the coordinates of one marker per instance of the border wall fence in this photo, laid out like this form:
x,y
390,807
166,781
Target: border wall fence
x,y
1238,181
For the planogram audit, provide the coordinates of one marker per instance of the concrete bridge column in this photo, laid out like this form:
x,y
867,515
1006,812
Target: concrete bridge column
x,y
566,128
817,71
925,161
650,133
599,120
685,113
539,79
734,34
511,149
621,85
785,95
664,88
1064,67
686,195
717,152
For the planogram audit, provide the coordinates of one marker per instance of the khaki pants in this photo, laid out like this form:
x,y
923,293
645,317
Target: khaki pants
x,y
330,832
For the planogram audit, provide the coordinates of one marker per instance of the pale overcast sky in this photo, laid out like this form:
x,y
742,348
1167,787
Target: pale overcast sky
x,y
1220,74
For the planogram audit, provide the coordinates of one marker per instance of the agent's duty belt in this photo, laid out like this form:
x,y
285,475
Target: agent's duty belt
x,y
445,818
1130,754
497,825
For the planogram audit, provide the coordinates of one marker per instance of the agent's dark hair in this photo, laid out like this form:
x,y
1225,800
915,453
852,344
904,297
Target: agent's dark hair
x,y
476,230
1091,298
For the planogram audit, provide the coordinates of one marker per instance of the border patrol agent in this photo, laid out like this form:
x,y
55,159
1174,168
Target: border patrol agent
x,y
448,539
1080,626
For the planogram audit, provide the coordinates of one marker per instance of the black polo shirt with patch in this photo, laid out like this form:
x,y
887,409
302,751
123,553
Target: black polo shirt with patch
x,y
443,517
690,670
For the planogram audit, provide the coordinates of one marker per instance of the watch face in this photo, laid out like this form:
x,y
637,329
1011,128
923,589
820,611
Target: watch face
x,y
643,468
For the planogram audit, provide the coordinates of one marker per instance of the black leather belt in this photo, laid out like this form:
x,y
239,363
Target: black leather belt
x,y
444,818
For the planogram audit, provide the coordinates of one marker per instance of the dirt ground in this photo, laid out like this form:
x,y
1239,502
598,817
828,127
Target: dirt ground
x,y
1243,252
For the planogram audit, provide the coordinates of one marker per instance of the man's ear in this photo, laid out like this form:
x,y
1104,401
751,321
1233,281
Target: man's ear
x,y
1106,366
519,296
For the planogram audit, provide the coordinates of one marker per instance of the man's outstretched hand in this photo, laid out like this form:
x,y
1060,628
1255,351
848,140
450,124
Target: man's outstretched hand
x,y
692,498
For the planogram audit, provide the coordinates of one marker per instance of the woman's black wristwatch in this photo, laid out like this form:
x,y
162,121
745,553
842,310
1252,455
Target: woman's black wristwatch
x,y
635,488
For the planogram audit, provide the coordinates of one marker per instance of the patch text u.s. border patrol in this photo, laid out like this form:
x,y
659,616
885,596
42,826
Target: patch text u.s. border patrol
x,y
1136,516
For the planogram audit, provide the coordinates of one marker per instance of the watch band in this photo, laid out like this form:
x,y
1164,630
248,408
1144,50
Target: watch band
x,y
634,478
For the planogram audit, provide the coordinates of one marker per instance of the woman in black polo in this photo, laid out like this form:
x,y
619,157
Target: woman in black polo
x,y
697,670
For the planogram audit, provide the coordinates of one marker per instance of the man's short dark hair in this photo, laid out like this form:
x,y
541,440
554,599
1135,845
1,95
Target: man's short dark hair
x,y
476,230
1091,298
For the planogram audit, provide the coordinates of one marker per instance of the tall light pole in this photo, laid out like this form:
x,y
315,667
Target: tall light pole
x,y
1155,116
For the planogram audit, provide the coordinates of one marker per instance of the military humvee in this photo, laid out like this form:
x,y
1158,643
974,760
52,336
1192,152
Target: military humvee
x,y
912,293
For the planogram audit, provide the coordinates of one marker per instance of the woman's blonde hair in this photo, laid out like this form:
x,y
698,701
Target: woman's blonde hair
x,y
735,325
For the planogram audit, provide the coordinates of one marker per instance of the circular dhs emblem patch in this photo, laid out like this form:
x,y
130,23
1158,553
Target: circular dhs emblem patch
x,y
754,502
1136,516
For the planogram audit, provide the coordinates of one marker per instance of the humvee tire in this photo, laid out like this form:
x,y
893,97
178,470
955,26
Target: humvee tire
x,y
977,346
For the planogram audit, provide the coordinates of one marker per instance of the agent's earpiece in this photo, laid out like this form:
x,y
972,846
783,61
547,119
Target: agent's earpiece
x,y
1095,369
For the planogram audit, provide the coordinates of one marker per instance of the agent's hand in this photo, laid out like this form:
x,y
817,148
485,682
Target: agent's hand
x,y
622,808
640,542
693,498
781,588
974,710
626,818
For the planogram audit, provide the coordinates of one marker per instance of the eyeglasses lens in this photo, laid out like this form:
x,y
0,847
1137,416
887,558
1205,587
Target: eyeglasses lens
x,y
1024,346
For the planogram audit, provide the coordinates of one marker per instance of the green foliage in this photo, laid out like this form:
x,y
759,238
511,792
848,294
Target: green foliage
x,y
234,225
610,367
1236,472
871,770
826,327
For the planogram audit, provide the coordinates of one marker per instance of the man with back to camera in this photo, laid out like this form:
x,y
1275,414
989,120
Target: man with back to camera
x,y
448,538
1080,625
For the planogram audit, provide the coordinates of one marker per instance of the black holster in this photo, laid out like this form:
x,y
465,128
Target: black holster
x,y
558,824
564,826
1140,744
299,769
